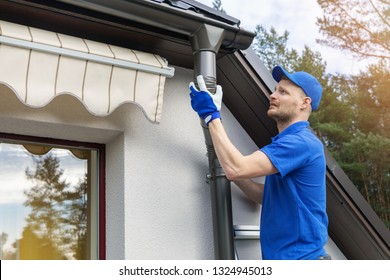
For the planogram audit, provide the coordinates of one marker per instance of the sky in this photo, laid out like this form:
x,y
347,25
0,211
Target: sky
x,y
299,18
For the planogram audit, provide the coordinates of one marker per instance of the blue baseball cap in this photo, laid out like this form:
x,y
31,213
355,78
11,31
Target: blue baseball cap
x,y
305,81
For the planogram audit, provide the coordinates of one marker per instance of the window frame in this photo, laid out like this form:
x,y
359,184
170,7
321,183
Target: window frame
x,y
101,148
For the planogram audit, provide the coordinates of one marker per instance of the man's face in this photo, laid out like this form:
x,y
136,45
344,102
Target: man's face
x,y
285,101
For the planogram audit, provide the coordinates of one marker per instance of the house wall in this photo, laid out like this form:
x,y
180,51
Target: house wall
x,y
157,199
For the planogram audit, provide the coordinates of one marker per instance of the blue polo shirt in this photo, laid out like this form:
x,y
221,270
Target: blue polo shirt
x,y
293,220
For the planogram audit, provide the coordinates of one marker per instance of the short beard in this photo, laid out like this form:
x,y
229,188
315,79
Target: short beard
x,y
283,118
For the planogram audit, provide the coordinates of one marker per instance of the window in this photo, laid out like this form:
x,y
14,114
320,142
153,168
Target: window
x,y
51,199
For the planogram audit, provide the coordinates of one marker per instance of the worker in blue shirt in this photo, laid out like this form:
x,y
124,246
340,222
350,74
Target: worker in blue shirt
x,y
294,221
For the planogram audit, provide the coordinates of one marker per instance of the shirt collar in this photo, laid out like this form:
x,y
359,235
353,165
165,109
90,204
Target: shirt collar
x,y
293,128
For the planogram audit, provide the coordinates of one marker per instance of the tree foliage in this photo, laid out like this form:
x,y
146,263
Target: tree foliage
x,y
366,158
359,26
46,198
371,100
57,224
272,48
362,27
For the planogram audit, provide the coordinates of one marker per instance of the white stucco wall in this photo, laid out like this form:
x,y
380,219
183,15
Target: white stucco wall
x,y
157,199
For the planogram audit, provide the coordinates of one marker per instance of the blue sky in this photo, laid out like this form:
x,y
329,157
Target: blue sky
x,y
298,17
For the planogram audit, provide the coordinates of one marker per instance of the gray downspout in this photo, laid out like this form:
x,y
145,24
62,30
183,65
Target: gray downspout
x,y
205,44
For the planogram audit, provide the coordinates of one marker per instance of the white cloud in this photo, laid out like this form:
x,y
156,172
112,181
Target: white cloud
x,y
12,188
14,160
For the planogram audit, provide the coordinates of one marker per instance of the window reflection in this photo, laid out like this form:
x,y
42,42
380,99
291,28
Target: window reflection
x,y
46,202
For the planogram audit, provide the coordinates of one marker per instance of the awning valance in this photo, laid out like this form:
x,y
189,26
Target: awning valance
x,y
39,65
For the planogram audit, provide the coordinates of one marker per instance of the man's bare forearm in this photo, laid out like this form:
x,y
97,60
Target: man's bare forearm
x,y
253,190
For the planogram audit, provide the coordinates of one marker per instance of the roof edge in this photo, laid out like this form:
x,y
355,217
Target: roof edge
x,y
170,18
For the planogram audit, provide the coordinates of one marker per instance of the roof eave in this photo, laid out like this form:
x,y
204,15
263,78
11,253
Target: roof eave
x,y
169,18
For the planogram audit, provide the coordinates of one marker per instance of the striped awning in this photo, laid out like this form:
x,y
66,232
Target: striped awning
x,y
39,65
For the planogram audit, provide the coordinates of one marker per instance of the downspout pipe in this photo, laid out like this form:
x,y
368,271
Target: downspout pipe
x,y
206,43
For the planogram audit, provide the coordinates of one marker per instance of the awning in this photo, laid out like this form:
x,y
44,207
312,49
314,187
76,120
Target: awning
x,y
39,65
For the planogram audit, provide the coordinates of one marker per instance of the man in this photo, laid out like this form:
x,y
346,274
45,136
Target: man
x,y
293,219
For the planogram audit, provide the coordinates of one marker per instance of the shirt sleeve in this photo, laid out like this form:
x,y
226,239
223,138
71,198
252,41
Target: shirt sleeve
x,y
287,153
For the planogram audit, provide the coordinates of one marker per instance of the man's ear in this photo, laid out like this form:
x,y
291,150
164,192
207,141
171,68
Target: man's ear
x,y
306,102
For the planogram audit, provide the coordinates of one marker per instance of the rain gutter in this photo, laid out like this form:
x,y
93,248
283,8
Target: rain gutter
x,y
207,36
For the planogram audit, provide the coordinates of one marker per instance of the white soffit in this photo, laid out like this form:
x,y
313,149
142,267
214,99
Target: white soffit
x,y
39,65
